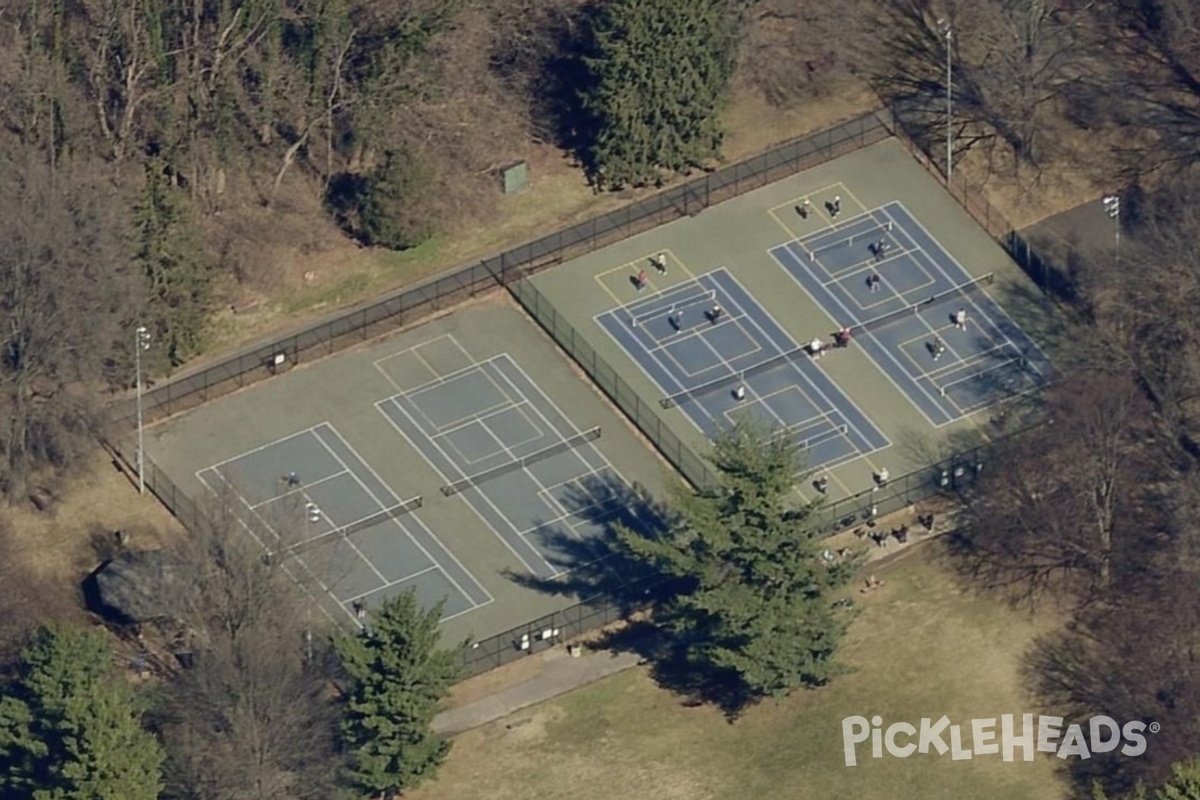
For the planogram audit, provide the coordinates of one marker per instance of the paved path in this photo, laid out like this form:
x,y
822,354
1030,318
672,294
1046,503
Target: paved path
x,y
558,673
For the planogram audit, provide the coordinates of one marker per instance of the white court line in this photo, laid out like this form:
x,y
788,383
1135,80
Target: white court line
x,y
661,294
677,376
474,417
933,374
526,469
260,448
999,308
398,523
409,398
446,478
266,550
438,381
820,393
558,410
483,416
875,266
982,372
278,497
641,320
370,564
849,313
389,584
924,322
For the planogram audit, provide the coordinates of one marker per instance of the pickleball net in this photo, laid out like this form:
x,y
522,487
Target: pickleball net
x,y
959,292
346,531
570,443
734,379
864,239
702,302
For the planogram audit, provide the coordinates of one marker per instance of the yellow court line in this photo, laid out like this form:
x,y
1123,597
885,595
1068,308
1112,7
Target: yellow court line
x,y
682,264
793,203
634,267
616,300
854,197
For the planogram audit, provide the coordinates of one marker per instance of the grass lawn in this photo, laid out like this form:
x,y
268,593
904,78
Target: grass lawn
x,y
922,647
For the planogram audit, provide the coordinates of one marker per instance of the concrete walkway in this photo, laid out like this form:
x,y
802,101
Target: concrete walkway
x,y
559,673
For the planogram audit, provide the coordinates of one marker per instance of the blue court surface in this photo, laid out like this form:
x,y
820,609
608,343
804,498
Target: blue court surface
x,y
886,278
310,500
699,360
498,441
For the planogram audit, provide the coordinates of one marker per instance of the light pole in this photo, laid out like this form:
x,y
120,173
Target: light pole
x,y
946,31
141,342
1112,207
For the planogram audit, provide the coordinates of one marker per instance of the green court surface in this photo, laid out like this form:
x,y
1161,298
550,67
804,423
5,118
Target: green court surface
x,y
598,294
357,469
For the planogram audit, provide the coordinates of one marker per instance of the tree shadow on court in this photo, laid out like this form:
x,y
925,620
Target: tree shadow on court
x,y
602,571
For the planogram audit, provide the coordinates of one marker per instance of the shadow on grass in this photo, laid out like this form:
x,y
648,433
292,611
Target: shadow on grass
x,y
601,570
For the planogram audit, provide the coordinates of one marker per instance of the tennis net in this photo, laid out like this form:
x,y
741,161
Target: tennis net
x,y
570,443
346,531
960,291
824,436
863,239
705,300
734,378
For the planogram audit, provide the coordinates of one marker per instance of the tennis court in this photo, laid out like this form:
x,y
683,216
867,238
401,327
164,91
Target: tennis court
x,y
312,501
887,279
719,357
499,442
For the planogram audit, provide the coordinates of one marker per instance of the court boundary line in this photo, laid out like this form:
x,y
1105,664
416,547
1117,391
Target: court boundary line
x,y
382,507
254,507
847,311
574,451
824,215
791,362
400,524
448,479
648,260
663,391
998,307
285,567
260,448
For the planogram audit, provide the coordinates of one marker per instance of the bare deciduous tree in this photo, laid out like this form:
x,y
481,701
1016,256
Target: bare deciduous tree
x,y
1063,507
254,716
65,291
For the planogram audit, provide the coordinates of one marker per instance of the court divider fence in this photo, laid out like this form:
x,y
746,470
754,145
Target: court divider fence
x,y
511,269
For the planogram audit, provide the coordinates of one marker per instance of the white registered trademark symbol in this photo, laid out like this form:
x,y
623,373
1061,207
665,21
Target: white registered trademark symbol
x,y
1155,727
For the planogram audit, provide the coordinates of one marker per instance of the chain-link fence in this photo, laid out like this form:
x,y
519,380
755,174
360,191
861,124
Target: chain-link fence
x,y
417,302
510,269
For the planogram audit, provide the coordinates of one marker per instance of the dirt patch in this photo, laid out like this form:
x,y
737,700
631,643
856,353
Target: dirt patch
x,y
57,549
315,269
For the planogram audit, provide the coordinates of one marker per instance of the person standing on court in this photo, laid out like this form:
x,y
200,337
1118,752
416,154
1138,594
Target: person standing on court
x,y
960,319
660,263
641,280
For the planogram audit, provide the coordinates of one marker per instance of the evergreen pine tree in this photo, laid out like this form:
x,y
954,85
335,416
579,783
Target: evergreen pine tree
x,y
753,604
178,276
398,677
1184,784
659,74
71,730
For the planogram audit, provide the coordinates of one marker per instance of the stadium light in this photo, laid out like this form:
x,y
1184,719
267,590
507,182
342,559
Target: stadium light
x,y
141,342
948,33
1112,207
